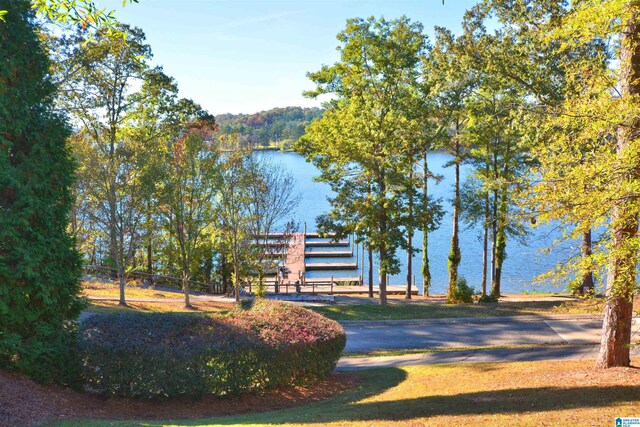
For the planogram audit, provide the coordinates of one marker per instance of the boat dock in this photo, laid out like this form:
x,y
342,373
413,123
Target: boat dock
x,y
316,263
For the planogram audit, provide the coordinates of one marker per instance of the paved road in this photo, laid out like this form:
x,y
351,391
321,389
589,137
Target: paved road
x,y
559,337
561,352
494,331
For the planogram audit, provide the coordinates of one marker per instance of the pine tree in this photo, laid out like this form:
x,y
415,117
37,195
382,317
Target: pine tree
x,y
39,265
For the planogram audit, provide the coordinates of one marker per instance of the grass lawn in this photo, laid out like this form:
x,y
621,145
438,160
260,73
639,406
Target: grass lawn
x,y
110,290
437,311
174,300
160,307
404,352
487,394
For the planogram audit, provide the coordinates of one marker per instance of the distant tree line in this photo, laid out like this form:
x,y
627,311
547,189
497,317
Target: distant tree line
x,y
278,127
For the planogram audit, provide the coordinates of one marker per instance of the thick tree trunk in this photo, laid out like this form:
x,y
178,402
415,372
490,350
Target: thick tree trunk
x,y
454,252
621,280
587,284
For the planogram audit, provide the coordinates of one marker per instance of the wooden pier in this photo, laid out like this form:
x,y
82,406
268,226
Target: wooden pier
x,y
331,266
294,248
331,254
328,244
295,262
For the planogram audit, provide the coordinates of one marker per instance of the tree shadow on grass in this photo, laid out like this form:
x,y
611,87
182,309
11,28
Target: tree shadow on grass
x,y
345,407
374,382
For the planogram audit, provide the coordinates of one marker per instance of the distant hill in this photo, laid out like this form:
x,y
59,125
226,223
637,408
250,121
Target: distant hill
x,y
275,128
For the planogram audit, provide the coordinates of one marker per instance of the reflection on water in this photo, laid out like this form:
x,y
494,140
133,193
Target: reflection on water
x,y
523,263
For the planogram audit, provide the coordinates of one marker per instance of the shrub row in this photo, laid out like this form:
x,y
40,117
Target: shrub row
x,y
176,354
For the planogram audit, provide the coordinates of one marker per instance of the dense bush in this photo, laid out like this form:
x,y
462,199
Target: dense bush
x,y
39,265
463,293
175,354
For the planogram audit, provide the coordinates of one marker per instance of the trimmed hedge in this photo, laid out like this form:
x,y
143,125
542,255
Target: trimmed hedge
x,y
176,354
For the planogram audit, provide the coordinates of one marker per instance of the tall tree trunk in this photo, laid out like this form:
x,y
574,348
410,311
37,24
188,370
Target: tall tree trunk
x,y
494,236
121,283
382,286
587,284
409,264
149,241
370,253
485,243
236,280
454,252
621,280
501,242
409,245
426,271
383,230
186,276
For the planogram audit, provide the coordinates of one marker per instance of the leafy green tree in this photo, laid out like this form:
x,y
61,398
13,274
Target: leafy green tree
x,y
191,180
39,265
100,96
83,13
587,143
500,159
453,84
359,143
233,212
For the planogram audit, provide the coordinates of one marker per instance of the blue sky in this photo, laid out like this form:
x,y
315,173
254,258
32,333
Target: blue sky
x,y
246,56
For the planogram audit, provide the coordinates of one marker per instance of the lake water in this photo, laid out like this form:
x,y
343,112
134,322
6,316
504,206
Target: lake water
x,y
523,264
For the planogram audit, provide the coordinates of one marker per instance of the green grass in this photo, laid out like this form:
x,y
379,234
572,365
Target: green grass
x,y
486,394
206,307
112,291
443,311
404,352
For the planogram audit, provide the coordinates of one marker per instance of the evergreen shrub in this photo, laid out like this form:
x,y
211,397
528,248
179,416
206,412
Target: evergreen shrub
x,y
39,265
164,355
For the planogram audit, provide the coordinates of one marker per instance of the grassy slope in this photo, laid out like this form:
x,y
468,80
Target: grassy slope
x,y
523,394
159,307
435,311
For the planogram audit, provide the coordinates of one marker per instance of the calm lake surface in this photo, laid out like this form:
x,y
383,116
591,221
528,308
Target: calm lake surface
x,y
523,264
